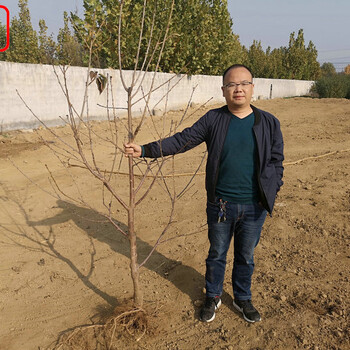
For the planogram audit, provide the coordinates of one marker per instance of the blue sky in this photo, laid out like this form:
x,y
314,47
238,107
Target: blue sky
x,y
324,22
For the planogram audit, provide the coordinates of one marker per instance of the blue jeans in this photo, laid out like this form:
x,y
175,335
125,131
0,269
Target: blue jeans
x,y
244,223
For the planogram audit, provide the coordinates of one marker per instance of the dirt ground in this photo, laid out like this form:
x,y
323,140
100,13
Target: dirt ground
x,y
64,266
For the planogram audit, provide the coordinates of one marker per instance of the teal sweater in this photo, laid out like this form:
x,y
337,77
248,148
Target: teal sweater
x,y
237,181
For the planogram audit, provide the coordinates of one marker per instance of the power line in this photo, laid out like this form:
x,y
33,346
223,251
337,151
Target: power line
x,y
340,58
332,50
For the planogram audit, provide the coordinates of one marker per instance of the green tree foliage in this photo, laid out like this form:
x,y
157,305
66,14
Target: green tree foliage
x,y
275,63
200,37
2,41
47,45
226,47
101,25
300,61
23,38
295,56
200,40
293,62
313,70
256,59
68,49
327,69
27,46
333,86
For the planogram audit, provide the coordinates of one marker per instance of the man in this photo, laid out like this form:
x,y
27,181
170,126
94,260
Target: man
x,y
243,175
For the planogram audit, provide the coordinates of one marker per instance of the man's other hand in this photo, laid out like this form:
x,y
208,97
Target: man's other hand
x,y
133,149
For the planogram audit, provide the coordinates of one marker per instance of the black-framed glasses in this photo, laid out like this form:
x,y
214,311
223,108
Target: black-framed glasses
x,y
244,84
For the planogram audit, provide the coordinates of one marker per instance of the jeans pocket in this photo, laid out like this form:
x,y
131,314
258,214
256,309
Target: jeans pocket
x,y
260,211
260,206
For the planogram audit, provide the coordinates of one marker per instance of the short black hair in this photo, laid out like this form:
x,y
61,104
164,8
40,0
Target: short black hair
x,y
236,66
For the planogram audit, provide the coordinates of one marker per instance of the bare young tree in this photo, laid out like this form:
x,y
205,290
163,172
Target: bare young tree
x,y
142,174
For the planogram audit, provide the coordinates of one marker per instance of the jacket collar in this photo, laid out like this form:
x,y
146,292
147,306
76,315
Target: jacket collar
x,y
257,115
256,112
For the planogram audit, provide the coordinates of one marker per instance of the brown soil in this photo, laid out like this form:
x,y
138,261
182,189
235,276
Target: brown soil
x,y
64,266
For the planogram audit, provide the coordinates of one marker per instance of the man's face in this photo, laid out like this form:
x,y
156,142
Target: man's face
x,y
238,97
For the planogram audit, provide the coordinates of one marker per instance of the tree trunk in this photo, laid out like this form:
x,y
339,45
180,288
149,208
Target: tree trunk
x,y
138,298
135,275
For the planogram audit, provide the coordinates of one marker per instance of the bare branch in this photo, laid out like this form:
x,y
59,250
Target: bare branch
x,y
148,47
42,123
195,173
184,235
161,235
159,58
30,180
139,44
149,187
119,48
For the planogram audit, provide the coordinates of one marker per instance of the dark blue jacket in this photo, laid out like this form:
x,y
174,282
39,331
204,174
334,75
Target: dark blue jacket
x,y
212,128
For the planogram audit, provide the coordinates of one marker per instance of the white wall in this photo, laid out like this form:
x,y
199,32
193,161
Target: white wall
x,y
39,87
274,88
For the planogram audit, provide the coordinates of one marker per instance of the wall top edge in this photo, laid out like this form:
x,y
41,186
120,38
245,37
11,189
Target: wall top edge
x,y
7,63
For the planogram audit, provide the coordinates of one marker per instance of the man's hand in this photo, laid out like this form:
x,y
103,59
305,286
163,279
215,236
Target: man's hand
x,y
133,149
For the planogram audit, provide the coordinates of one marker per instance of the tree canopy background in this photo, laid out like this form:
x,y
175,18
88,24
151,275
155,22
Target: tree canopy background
x,y
201,40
